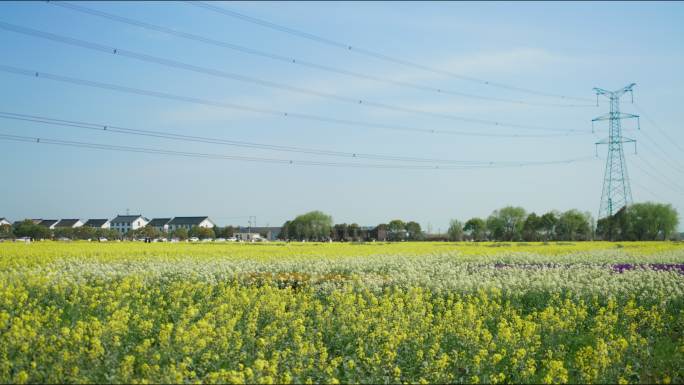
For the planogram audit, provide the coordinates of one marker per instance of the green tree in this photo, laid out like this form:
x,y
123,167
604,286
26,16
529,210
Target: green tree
x,y
355,232
109,234
63,232
506,224
201,232
341,232
651,221
29,229
148,232
532,228
455,231
413,231
206,233
476,229
224,232
6,232
285,231
548,224
84,232
314,225
396,230
180,233
574,225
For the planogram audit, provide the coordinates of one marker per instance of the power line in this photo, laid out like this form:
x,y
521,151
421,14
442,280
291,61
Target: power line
x,y
663,182
657,126
371,53
257,110
109,128
659,172
661,153
156,151
242,78
659,150
297,61
656,196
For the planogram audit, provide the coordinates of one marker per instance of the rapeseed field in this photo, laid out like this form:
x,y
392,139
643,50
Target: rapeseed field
x,y
86,312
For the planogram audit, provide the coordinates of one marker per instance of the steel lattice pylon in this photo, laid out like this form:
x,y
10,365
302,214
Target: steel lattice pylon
x,y
616,192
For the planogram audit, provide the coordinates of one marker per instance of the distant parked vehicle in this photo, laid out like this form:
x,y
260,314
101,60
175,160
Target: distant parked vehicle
x,y
232,239
103,239
193,239
220,240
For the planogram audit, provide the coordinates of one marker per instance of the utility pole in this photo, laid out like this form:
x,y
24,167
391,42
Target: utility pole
x,y
249,229
616,192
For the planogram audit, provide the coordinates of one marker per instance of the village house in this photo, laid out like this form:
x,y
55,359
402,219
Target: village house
x,y
269,233
4,221
49,223
248,237
126,223
190,222
161,224
98,223
70,223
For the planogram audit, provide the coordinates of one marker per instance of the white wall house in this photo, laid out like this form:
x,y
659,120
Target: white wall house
x,y
4,221
72,223
126,223
98,223
190,222
161,224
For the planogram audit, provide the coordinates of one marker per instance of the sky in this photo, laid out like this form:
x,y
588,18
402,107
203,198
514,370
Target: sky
x,y
551,48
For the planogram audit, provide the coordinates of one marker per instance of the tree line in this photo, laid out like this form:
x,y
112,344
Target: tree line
x,y
640,221
637,222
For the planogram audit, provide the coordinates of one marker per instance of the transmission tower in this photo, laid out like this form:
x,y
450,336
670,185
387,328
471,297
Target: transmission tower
x,y
616,192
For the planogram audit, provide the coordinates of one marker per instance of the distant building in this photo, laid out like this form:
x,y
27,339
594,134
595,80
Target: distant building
x,y
161,224
269,233
247,236
98,223
71,223
49,223
126,223
4,221
190,222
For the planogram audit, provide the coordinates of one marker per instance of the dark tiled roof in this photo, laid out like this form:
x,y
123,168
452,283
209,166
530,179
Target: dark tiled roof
x,y
95,222
187,220
47,222
158,222
127,218
67,223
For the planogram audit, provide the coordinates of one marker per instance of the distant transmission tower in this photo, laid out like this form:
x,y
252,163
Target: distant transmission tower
x,y
616,192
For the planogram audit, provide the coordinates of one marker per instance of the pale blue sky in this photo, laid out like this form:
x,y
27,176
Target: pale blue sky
x,y
561,48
